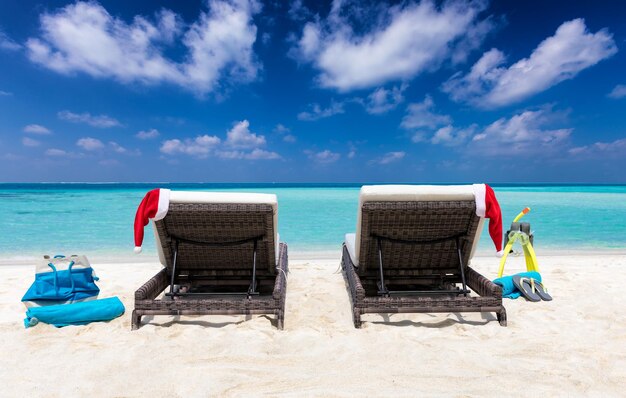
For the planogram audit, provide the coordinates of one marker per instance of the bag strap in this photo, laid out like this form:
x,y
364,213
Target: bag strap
x,y
56,275
69,269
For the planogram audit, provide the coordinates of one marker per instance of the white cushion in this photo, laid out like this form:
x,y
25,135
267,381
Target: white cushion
x,y
412,193
349,240
223,197
417,193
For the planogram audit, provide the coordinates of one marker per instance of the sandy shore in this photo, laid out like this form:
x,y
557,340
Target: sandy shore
x,y
573,346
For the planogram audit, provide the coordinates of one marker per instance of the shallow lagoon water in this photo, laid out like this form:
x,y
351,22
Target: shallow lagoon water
x,y
98,218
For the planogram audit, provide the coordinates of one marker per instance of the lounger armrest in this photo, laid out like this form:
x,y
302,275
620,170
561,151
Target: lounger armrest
x,y
151,289
348,267
482,285
280,286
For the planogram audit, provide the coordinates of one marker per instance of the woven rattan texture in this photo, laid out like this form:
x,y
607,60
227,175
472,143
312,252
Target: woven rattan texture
x,y
489,297
148,303
219,223
416,221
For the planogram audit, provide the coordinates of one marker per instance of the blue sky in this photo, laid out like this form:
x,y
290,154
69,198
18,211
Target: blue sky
x,y
247,91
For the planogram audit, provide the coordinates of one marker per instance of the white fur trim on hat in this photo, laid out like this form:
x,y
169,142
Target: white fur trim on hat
x,y
164,204
479,197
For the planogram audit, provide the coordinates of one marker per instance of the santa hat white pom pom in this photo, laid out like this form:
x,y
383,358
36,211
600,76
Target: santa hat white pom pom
x,y
137,249
500,253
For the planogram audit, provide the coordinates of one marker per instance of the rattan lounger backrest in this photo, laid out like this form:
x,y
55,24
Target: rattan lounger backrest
x,y
218,223
416,220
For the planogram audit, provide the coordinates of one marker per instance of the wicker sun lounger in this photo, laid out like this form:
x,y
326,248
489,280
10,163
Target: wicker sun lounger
x,y
411,251
221,256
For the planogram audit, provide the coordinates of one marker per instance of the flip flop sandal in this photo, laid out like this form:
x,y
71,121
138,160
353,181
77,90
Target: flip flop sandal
x,y
540,289
524,286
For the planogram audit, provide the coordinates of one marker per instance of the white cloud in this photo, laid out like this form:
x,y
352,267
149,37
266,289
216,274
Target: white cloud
x,y
117,147
523,134
147,134
90,144
255,154
383,100
6,43
240,143
281,129
451,136
484,70
316,112
290,138
404,40
560,57
324,156
618,92
230,154
84,37
5,93
298,11
428,126
101,121
352,150
37,129
421,114
26,141
284,132
200,147
170,25
617,147
390,157
444,134
473,38
265,38
60,153
56,152
419,136
261,154
240,136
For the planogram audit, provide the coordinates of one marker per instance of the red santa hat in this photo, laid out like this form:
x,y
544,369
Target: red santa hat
x,y
487,206
153,207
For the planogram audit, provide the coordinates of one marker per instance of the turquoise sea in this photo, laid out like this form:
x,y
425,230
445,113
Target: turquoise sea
x,y
97,219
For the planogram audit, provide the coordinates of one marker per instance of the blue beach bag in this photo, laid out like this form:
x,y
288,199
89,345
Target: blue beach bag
x,y
62,280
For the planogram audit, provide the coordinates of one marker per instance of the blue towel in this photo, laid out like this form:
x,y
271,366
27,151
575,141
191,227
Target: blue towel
x,y
75,314
508,288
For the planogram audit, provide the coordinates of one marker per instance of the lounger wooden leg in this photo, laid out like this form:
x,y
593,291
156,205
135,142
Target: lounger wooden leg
x,y
280,319
135,320
502,316
357,318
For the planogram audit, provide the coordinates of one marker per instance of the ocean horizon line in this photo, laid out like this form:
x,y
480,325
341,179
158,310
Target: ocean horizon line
x,y
315,184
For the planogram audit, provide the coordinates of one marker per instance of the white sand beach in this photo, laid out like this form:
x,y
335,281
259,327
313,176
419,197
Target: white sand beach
x,y
572,346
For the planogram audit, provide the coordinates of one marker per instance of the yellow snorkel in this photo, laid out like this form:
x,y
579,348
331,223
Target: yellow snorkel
x,y
520,232
521,214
